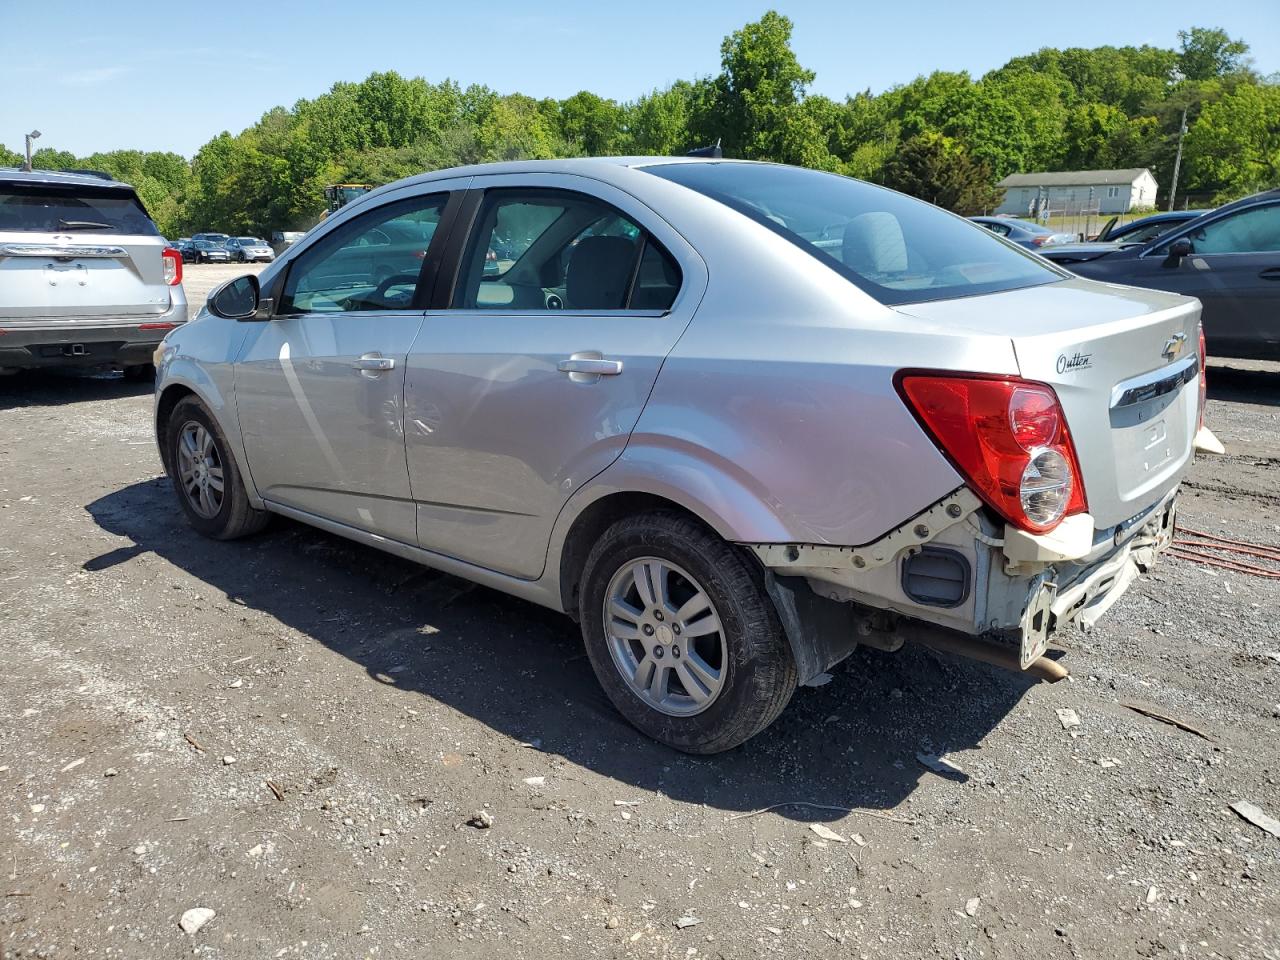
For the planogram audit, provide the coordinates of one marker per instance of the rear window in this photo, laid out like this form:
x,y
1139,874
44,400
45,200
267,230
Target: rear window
x,y
32,208
897,249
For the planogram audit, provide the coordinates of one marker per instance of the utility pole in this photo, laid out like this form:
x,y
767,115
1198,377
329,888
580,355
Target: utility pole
x,y
1177,160
33,135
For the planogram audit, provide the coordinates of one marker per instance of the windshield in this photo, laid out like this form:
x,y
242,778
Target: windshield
x,y
897,249
52,209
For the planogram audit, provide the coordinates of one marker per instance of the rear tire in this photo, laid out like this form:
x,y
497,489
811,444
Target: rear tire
x,y
659,658
200,461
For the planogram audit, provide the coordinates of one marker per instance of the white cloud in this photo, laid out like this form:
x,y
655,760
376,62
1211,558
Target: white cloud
x,y
92,76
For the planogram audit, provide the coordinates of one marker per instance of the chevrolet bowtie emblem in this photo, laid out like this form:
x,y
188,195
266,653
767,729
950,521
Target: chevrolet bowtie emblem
x,y
1173,346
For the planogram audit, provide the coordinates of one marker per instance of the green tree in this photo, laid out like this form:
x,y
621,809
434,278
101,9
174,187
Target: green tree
x,y
1234,148
759,96
589,124
938,169
1208,52
11,158
1090,136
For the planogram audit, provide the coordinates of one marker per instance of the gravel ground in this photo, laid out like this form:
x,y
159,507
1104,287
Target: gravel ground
x,y
293,732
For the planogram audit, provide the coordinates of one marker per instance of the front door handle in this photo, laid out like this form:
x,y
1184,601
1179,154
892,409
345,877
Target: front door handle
x,y
590,365
374,361
1271,273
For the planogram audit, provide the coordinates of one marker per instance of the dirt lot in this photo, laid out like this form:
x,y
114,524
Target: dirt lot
x,y
160,690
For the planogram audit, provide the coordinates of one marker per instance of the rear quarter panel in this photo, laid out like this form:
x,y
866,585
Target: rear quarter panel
x,y
775,417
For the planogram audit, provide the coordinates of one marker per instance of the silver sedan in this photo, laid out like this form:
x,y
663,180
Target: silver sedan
x,y
733,418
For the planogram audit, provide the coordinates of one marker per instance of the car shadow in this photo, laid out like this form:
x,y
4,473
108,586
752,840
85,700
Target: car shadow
x,y
1239,384
521,670
55,387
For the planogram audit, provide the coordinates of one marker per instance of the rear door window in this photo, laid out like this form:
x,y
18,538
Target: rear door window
x,y
45,208
548,249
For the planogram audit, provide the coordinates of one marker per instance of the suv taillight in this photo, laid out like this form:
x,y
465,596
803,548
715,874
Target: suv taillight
x,y
1009,440
172,266
1204,379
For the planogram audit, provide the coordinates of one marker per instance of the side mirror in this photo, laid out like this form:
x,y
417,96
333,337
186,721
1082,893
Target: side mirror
x,y
1177,251
238,299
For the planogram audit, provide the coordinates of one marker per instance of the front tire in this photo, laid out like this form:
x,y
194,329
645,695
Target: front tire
x,y
205,475
681,634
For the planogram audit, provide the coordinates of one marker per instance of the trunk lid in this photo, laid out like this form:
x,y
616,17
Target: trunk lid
x,y
1125,365
75,251
76,277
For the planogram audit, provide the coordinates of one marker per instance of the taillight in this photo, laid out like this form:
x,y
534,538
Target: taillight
x,y
172,266
1009,440
1204,379
1040,239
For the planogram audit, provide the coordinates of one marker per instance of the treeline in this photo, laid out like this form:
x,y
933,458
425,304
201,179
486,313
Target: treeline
x,y
945,137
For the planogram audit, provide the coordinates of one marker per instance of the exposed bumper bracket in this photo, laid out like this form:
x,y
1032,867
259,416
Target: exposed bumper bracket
x,y
920,529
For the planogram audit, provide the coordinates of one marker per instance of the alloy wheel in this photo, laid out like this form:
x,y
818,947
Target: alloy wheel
x,y
665,636
200,469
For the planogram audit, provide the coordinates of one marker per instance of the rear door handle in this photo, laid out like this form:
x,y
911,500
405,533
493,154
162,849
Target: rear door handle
x,y
1271,273
374,361
589,365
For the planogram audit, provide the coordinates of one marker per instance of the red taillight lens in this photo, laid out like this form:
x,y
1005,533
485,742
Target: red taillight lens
x,y
1009,440
1204,379
156,326
172,266
1034,417
1040,239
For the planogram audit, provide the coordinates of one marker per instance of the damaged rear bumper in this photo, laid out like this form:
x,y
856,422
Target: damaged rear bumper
x,y
951,568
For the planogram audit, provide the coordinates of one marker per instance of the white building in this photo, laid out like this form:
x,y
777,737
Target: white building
x,y
1078,191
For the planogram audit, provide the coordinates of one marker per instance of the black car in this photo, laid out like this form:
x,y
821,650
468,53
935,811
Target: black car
x,y
208,251
1229,258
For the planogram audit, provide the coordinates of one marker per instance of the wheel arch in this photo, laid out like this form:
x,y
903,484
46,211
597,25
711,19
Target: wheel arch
x,y
657,477
169,398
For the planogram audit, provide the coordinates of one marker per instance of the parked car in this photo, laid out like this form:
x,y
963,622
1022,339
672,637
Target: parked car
x,y
282,240
730,453
1229,258
219,239
250,250
207,251
1144,228
186,248
1023,232
87,279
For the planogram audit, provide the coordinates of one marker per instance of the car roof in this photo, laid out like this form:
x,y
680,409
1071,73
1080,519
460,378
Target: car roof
x,y
1166,215
70,178
1265,195
608,169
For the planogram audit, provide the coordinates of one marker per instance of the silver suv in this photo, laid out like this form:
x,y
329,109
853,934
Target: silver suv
x,y
85,277
734,418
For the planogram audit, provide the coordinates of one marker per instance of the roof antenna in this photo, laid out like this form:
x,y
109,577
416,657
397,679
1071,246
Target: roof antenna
x,y
714,152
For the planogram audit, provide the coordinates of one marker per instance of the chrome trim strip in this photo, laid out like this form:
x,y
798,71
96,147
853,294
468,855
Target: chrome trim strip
x,y
60,251
1157,383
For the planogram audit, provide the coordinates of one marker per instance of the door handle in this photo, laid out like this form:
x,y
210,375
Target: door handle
x,y
594,366
374,361
1271,273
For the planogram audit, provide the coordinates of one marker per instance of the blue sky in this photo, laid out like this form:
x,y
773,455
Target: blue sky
x,y
168,76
